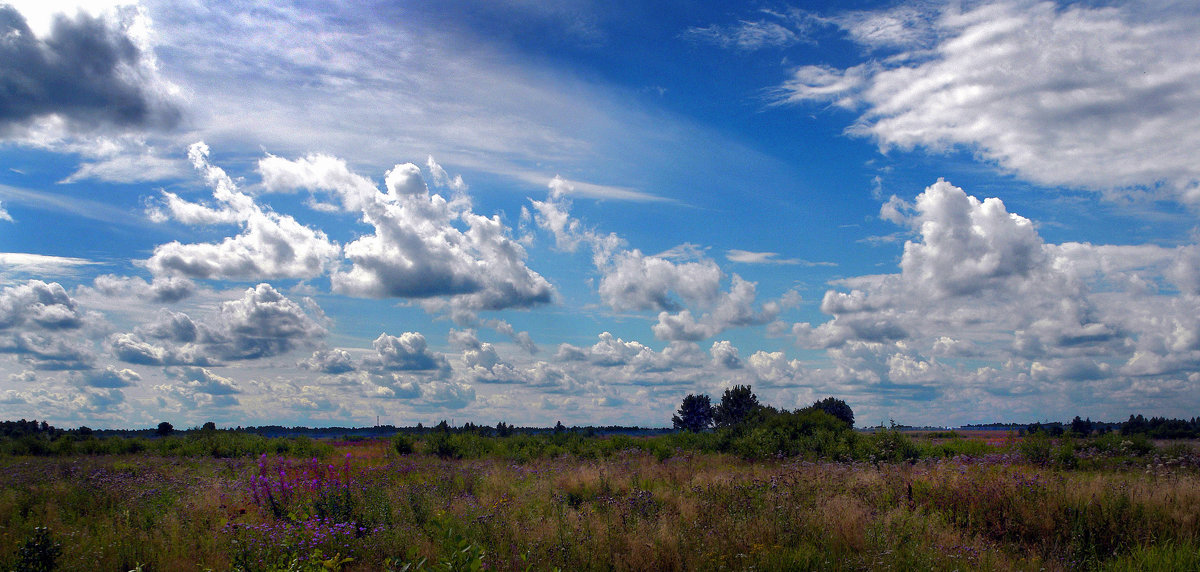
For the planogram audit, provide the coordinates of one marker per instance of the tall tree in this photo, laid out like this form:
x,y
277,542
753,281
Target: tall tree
x,y
737,404
837,408
695,413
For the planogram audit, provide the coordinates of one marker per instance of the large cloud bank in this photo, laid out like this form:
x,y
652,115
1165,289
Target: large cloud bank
x,y
423,246
984,309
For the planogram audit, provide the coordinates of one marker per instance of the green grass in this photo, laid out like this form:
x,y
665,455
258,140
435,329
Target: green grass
x,y
443,501
200,443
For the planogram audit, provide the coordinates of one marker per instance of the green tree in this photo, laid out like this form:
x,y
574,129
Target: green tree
x,y
837,408
695,413
1081,427
164,429
737,405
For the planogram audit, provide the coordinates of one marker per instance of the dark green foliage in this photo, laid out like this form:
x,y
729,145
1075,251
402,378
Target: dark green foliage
x,y
1051,429
38,553
458,445
889,445
1117,444
1036,447
806,432
837,408
1136,424
737,405
695,413
164,429
1081,427
402,444
1161,427
195,444
23,428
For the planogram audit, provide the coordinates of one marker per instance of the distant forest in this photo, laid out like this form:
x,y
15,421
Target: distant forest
x,y
1152,427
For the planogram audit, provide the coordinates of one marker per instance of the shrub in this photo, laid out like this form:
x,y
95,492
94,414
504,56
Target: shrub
x,y
1036,448
457,445
1117,444
1064,455
64,445
890,445
402,444
39,552
808,432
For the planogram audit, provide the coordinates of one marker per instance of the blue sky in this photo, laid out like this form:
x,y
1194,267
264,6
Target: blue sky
x,y
941,212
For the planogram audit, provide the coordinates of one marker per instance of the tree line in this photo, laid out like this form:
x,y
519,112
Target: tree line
x,y
1152,427
738,405
737,419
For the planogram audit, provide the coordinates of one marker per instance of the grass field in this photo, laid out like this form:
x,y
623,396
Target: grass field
x,y
622,503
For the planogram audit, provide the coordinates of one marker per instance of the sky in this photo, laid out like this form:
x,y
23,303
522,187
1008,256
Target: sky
x,y
536,211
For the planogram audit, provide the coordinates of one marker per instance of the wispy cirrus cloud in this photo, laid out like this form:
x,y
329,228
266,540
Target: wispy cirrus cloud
x,y
770,31
75,206
26,264
749,257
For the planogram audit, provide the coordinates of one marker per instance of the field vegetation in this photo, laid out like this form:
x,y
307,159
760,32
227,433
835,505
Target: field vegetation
x,y
771,490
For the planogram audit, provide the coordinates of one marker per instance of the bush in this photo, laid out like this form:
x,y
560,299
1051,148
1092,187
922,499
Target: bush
x,y
402,444
64,445
457,445
39,552
808,432
890,445
1064,455
1136,444
1036,448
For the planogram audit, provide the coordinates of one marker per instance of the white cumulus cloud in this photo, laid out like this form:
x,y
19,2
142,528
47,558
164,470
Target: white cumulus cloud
x,y
270,245
1097,97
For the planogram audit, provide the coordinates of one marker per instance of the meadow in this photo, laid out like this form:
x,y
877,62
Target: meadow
x,y
568,501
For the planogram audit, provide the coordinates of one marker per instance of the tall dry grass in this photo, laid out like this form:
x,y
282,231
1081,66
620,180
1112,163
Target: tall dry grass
x,y
631,510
